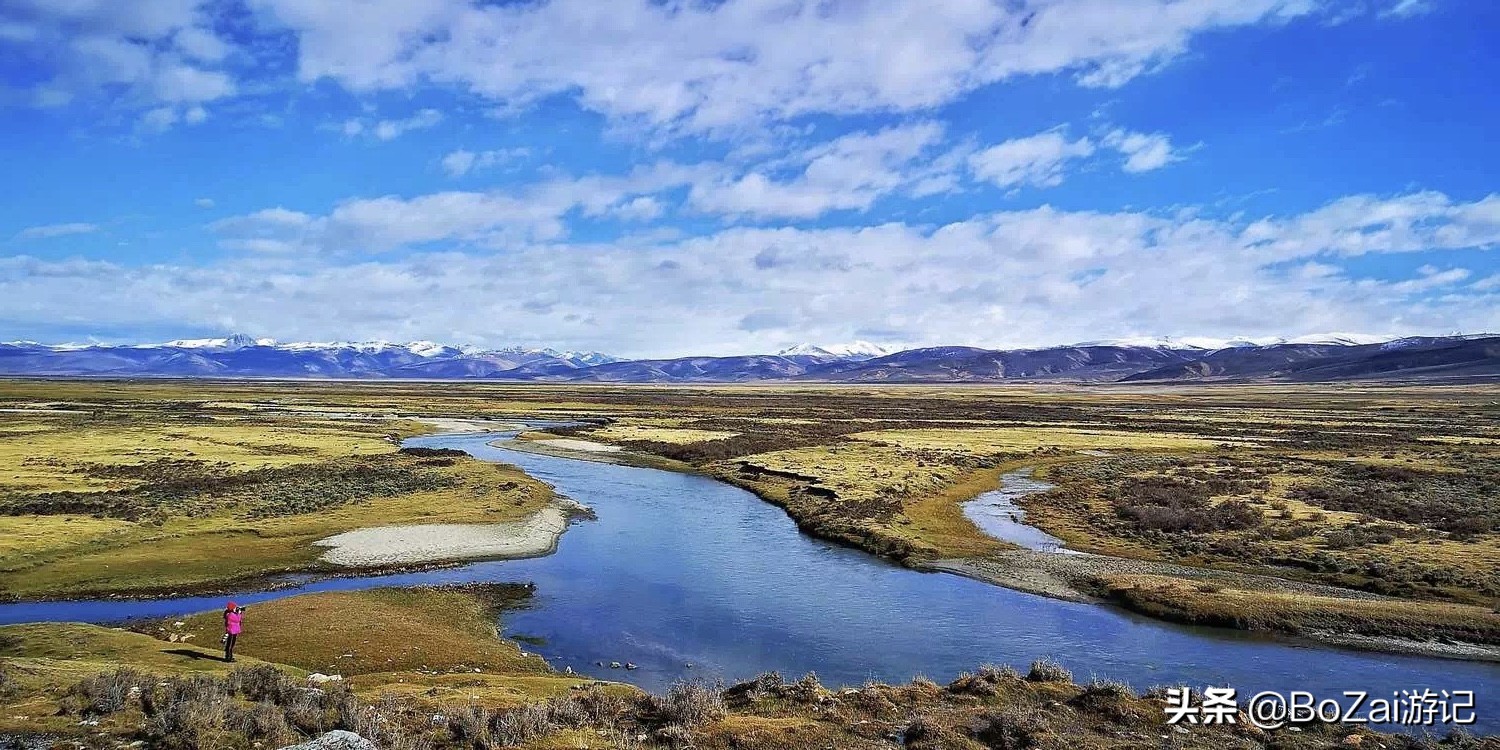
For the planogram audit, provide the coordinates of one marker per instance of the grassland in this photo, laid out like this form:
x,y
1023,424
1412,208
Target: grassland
x,y
146,498
1207,494
1380,490
436,647
162,686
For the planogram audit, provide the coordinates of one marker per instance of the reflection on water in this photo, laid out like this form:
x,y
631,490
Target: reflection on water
x,y
996,513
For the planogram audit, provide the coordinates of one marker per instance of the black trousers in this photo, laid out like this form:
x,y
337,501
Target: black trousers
x,y
229,640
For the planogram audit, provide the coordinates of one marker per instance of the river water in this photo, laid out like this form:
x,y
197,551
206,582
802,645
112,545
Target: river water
x,y
997,514
686,577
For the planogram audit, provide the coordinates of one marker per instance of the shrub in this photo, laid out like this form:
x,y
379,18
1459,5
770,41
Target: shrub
x,y
689,704
983,682
1046,670
972,684
1011,728
433,452
1111,689
261,682
109,692
805,690
182,722
765,684
674,736
262,721
598,707
519,725
470,726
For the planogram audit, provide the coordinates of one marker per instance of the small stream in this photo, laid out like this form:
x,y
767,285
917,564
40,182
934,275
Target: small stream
x,y
996,513
689,577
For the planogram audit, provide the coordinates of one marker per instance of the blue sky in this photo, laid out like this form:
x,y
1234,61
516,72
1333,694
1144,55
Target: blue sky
x,y
665,178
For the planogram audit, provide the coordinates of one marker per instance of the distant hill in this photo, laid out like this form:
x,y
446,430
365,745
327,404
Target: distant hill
x,y
1411,358
1308,359
241,356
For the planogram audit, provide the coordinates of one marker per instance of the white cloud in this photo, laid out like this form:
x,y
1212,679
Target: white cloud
x,y
203,202
48,231
644,208
849,172
458,163
159,119
726,66
1038,160
387,130
1357,225
1043,160
1013,278
461,162
153,52
1143,151
488,219
1407,8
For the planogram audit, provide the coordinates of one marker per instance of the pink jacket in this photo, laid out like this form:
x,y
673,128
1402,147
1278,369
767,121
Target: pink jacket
x,y
232,622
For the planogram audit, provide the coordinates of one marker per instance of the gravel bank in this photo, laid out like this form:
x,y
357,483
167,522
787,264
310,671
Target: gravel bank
x,y
1050,574
437,542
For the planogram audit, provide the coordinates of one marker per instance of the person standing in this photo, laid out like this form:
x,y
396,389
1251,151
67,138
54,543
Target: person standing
x,y
233,622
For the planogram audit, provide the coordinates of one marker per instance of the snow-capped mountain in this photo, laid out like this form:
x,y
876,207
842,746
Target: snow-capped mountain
x,y
239,355
1214,344
854,350
1318,358
230,342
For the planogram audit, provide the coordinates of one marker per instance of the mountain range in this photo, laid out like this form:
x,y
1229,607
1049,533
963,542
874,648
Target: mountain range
x,y
1307,359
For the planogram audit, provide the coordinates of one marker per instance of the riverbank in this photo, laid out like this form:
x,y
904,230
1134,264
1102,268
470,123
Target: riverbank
x,y
165,502
903,494
423,668
1169,591
1199,596
416,544
543,443
437,644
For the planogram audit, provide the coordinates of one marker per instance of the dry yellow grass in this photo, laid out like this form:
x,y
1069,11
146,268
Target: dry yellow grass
x,y
73,555
673,435
1009,439
48,457
858,470
1250,609
379,630
186,553
422,643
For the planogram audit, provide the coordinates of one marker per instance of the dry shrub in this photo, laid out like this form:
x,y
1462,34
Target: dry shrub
x,y
674,736
108,692
262,682
1110,689
470,726
180,722
1011,728
689,704
601,708
262,722
519,725
806,690
1046,670
766,684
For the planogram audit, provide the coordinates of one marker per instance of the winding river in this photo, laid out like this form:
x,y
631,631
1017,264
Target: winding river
x,y
686,576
